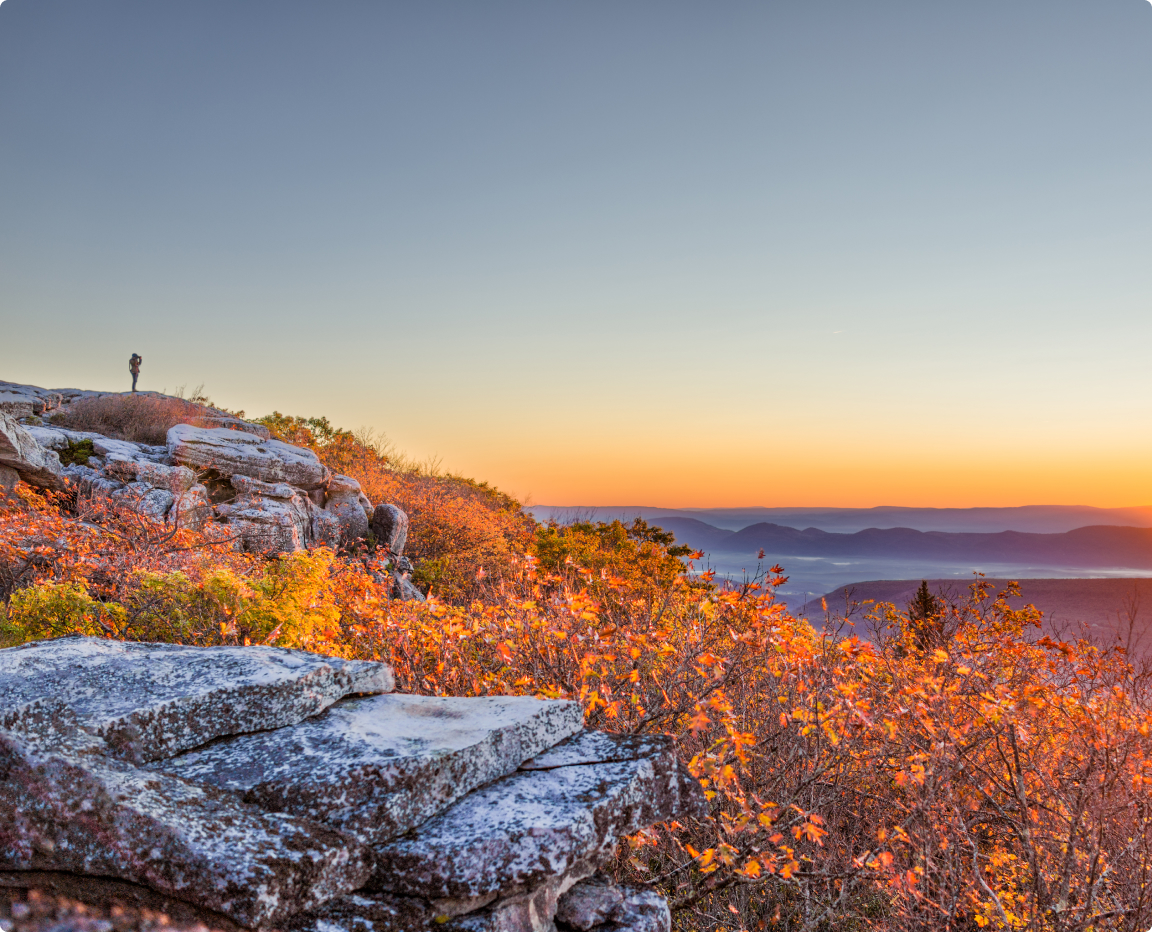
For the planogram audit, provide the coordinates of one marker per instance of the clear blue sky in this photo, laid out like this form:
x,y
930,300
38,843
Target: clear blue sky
x,y
725,253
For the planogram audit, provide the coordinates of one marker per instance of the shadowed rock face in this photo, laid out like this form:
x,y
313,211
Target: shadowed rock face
x,y
390,525
377,766
267,799
68,808
20,451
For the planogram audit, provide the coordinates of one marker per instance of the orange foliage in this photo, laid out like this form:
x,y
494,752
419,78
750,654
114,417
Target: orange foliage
x,y
461,532
980,778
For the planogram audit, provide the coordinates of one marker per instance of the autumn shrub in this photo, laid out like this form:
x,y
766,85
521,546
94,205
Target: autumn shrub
x,y
142,417
983,777
463,535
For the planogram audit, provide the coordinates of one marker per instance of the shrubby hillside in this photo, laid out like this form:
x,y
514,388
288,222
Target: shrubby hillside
x,y
959,772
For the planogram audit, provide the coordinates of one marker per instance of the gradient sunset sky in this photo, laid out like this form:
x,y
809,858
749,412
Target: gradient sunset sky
x,y
677,254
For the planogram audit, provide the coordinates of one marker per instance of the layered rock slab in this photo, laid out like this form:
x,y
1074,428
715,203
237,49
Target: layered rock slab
x,y
236,452
593,905
66,807
151,701
538,824
20,451
377,766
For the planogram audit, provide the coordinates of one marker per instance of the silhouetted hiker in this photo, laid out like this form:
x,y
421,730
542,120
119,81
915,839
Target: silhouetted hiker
x,y
134,368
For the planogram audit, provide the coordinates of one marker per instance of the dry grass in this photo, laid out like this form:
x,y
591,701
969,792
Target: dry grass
x,y
141,417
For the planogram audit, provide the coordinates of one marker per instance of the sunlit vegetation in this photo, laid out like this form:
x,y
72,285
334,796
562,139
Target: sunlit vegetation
x,y
961,773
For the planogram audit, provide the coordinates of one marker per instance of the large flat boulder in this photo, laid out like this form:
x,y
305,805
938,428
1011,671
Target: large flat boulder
x,y
377,766
20,451
237,452
151,701
536,825
66,807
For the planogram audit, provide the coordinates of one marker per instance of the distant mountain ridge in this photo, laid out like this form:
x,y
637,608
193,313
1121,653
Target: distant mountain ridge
x,y
1088,547
1037,519
1103,606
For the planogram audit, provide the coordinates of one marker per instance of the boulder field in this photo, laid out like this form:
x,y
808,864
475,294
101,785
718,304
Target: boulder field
x,y
272,496
262,788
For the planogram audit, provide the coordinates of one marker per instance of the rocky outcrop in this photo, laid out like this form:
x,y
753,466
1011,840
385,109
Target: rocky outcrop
x,y
350,507
20,452
274,497
239,453
272,789
390,526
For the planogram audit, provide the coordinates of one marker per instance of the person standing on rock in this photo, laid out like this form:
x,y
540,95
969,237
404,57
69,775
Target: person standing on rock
x,y
134,368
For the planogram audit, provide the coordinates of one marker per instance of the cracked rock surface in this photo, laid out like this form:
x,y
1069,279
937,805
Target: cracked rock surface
x,y
150,701
537,823
69,808
377,766
278,790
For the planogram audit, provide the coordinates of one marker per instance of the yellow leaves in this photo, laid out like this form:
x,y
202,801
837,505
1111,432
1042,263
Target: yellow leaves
x,y
940,656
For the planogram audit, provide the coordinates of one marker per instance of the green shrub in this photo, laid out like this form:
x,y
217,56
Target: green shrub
x,y
77,453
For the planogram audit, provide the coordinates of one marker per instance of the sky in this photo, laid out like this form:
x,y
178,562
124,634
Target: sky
x,y
677,254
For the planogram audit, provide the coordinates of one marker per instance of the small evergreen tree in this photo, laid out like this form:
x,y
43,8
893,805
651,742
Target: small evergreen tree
x,y
925,617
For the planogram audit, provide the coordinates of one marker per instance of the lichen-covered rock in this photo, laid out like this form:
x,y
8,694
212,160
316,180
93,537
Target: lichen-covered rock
x,y
405,590
257,487
234,423
235,452
20,451
390,527
642,910
377,766
175,479
151,701
326,529
589,903
270,525
360,912
20,401
145,500
343,500
68,808
519,831
599,905
531,911
191,508
8,479
383,912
